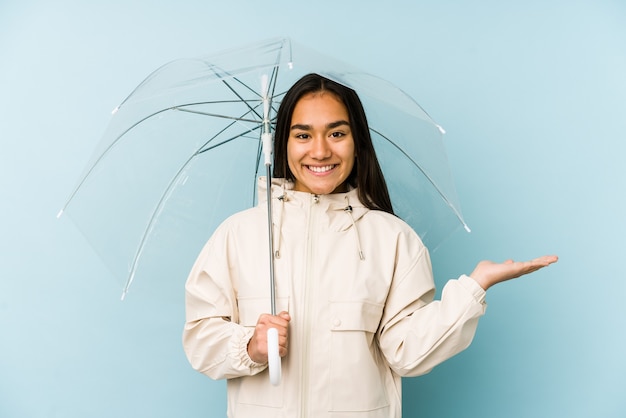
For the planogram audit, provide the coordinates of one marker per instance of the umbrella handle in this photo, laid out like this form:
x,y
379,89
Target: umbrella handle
x,y
273,358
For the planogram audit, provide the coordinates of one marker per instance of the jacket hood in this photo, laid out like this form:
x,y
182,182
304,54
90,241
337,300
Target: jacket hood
x,y
342,210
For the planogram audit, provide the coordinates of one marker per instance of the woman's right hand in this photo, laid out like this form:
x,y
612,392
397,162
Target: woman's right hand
x,y
257,346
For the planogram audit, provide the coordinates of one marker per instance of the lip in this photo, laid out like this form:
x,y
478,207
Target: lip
x,y
321,170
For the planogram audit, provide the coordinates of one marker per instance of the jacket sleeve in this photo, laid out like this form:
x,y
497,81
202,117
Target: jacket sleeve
x,y
215,344
416,332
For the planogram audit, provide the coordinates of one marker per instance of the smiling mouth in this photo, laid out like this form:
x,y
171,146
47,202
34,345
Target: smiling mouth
x,y
321,169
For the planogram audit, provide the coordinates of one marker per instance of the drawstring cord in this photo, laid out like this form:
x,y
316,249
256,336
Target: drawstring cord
x,y
278,236
348,210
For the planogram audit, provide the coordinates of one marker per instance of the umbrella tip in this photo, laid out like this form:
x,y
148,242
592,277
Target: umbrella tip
x,y
467,228
443,131
290,65
114,111
60,213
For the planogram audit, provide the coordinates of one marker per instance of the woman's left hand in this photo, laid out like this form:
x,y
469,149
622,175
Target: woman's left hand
x,y
488,273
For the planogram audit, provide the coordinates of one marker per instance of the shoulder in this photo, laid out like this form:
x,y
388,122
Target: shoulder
x,y
246,217
390,227
245,221
387,220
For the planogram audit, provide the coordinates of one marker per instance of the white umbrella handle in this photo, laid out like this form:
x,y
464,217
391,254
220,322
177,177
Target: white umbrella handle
x,y
273,358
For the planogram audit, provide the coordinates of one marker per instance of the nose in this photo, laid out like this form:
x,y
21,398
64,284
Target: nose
x,y
319,148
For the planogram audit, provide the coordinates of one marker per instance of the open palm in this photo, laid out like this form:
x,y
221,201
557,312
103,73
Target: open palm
x,y
488,273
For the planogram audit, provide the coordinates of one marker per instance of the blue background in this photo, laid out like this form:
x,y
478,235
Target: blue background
x,y
532,95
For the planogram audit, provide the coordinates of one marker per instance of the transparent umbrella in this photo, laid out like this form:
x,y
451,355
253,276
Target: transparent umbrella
x,y
184,150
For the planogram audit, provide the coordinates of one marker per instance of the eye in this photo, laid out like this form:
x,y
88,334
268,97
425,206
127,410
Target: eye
x,y
337,134
302,136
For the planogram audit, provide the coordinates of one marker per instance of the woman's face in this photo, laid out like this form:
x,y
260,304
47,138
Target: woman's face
x,y
320,148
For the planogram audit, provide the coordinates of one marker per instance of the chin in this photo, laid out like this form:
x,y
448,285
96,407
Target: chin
x,y
320,188
329,190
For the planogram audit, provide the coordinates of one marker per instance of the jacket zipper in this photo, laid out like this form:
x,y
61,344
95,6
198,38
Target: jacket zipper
x,y
308,284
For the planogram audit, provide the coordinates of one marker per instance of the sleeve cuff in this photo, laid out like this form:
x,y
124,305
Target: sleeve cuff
x,y
473,287
241,352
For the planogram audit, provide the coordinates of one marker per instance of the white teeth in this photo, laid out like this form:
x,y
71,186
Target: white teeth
x,y
321,169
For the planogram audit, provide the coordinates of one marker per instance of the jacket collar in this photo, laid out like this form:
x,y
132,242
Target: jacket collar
x,y
335,205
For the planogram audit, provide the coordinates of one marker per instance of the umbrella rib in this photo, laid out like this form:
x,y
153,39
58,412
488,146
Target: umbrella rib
x,y
157,210
232,89
441,194
202,150
198,112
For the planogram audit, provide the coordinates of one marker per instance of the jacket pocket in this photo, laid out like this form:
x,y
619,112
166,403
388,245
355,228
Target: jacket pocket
x,y
358,371
256,390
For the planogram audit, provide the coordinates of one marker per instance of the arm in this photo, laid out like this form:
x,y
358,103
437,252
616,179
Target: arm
x,y
417,333
213,340
217,348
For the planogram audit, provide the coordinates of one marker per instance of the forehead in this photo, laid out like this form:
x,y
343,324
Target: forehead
x,y
322,105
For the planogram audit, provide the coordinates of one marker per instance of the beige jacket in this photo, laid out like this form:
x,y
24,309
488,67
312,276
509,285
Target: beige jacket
x,y
358,323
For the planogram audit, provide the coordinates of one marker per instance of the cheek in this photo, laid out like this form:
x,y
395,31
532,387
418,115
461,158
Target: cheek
x,y
352,155
354,168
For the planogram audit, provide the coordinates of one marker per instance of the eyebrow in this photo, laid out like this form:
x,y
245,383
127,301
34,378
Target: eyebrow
x,y
331,125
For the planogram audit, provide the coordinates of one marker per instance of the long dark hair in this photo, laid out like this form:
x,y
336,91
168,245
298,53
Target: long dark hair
x,y
366,174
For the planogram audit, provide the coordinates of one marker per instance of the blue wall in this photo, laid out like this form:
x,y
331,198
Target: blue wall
x,y
533,98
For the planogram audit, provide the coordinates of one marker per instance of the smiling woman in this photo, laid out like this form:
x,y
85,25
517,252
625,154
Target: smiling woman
x,y
354,282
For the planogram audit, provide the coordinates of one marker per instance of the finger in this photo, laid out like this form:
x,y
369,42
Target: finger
x,y
283,342
537,264
269,321
549,259
280,321
283,346
544,261
264,318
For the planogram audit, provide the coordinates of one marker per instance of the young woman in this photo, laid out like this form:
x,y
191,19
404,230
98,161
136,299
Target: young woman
x,y
354,283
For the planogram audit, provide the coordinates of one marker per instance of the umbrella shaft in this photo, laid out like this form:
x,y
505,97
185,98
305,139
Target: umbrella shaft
x,y
270,230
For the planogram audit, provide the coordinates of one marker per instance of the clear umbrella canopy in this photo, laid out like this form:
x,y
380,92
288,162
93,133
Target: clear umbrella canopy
x,y
183,152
